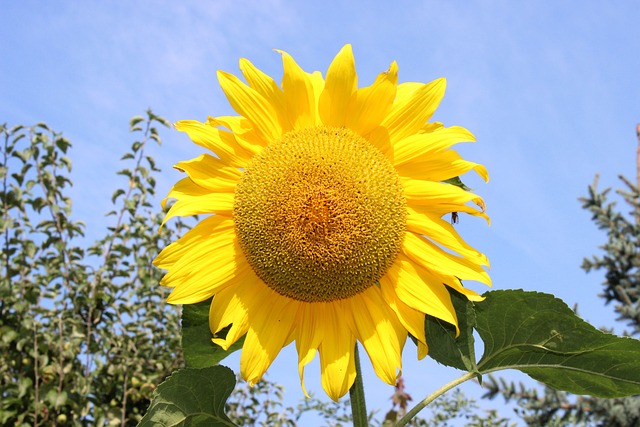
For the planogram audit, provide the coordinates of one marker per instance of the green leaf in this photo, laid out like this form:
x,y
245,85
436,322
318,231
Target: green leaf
x,y
63,144
57,399
43,125
8,334
66,161
24,155
134,121
25,385
457,182
199,351
541,336
192,397
119,192
444,346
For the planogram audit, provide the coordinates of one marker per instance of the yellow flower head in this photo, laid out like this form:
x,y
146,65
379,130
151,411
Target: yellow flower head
x,y
326,226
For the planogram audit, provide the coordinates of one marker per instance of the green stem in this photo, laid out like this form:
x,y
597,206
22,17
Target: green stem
x,y
356,394
433,396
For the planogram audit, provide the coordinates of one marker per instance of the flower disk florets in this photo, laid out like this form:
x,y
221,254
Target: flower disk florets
x,y
320,214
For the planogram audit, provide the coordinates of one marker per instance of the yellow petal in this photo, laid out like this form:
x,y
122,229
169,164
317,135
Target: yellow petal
x,y
246,135
250,104
442,232
410,113
268,88
411,319
340,85
337,364
375,324
457,285
196,238
211,173
372,104
194,200
310,335
379,137
422,144
205,268
406,90
420,291
183,189
428,193
221,143
227,308
270,327
432,258
440,167
431,127
317,82
423,350
216,238
447,279
298,93
441,209
201,285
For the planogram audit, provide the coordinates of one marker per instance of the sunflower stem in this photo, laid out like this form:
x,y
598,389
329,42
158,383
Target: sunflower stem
x,y
356,395
433,396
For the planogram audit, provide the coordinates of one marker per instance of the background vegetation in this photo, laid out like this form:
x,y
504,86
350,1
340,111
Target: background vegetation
x,y
85,334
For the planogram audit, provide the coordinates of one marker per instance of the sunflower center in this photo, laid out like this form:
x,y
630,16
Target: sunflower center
x,y
320,214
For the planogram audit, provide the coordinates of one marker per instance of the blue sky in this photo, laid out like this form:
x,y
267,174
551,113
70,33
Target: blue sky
x,y
550,89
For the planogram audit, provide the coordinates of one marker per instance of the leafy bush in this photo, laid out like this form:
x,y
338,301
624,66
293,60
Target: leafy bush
x,y
85,333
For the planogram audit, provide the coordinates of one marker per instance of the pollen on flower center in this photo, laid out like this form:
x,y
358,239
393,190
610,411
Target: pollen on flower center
x,y
320,214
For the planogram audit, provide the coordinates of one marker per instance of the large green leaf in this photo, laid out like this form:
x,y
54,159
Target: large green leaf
x,y
199,351
541,336
192,397
444,346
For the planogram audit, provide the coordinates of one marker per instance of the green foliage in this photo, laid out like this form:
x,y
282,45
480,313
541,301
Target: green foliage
x,y
449,348
539,335
621,264
621,259
192,397
542,337
85,334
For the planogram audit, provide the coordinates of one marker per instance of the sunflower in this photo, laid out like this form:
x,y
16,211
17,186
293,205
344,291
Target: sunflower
x,y
325,226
